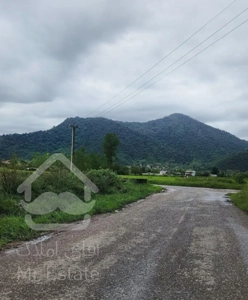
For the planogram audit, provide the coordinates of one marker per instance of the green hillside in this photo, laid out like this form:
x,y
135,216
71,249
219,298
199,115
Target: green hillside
x,y
189,138
133,146
237,161
177,138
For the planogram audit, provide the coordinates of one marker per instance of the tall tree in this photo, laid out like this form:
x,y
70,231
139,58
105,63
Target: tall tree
x,y
215,171
110,145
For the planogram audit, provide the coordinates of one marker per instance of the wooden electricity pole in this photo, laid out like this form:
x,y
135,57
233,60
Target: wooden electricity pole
x,y
73,127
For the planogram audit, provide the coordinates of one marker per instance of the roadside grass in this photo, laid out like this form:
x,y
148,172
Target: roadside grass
x,y
195,181
112,202
114,194
240,199
14,228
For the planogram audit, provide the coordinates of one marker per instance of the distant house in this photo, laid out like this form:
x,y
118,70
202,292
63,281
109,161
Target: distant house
x,y
190,173
163,172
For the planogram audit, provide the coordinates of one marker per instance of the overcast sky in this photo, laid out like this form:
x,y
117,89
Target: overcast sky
x,y
62,59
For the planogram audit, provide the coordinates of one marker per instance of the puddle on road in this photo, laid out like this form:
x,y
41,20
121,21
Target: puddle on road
x,y
210,194
218,196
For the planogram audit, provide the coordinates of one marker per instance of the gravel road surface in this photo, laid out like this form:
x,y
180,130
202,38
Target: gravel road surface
x,y
186,243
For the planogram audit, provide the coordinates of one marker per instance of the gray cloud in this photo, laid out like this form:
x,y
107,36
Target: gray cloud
x,y
62,59
44,43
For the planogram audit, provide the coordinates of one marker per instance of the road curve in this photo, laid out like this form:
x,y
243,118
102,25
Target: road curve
x,y
186,243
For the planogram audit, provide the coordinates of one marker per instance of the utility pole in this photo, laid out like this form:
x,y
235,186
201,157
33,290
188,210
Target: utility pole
x,y
73,127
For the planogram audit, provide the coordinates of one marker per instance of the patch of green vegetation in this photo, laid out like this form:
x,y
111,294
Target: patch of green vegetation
x,y
106,181
240,199
237,161
14,228
195,181
109,203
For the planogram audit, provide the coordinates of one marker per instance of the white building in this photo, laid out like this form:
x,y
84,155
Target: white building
x,y
163,172
190,173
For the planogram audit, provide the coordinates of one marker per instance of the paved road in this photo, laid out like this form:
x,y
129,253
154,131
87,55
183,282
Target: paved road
x,y
187,243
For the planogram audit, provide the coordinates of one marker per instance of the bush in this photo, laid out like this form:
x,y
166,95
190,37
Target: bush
x,y
121,170
136,170
58,182
9,206
240,177
222,174
203,173
10,180
106,181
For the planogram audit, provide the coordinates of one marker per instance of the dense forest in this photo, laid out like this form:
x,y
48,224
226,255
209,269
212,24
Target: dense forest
x,y
176,138
189,138
237,162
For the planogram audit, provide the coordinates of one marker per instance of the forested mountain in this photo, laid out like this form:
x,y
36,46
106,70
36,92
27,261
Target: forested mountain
x,y
133,146
189,138
237,161
177,138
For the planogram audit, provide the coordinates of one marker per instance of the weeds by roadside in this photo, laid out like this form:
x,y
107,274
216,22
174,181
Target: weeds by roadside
x,y
114,194
241,198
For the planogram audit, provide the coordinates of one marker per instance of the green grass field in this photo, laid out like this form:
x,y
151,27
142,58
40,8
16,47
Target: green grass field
x,y
197,181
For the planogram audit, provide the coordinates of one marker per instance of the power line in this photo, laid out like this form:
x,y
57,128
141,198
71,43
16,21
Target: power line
x,y
185,41
103,112
174,62
119,104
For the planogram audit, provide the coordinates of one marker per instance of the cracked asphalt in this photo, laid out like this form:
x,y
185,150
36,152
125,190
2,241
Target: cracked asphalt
x,y
186,243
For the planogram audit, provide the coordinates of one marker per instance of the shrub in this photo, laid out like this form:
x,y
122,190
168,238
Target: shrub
x,y
58,182
10,180
121,170
240,178
9,206
203,173
106,180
